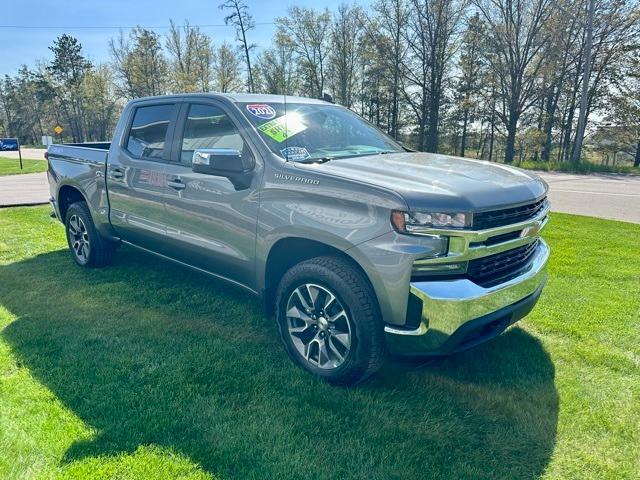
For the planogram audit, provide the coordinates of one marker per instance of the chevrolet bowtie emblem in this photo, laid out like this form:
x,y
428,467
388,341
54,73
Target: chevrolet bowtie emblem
x,y
531,230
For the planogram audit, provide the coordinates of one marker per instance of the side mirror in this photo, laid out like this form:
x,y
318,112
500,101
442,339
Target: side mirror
x,y
224,162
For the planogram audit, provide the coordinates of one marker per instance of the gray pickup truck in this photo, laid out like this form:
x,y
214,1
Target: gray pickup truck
x,y
358,246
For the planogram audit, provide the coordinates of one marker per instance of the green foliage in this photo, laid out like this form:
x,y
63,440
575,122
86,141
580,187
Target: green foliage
x,y
276,68
192,59
309,31
140,63
583,167
227,69
68,66
135,372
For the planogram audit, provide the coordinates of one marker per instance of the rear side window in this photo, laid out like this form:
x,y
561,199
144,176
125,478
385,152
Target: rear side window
x,y
148,132
209,127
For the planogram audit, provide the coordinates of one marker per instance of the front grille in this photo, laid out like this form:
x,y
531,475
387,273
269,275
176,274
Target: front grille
x,y
504,237
507,216
487,269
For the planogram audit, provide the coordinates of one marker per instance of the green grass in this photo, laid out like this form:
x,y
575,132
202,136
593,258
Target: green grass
x,y
583,168
11,166
143,370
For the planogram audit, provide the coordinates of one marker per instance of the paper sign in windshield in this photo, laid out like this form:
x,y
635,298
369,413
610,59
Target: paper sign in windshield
x,y
261,110
295,153
283,127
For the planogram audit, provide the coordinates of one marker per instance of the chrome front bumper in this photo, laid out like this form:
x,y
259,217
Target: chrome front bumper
x,y
458,313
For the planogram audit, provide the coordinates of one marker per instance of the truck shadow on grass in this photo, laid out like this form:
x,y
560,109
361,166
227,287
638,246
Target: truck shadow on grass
x,y
147,353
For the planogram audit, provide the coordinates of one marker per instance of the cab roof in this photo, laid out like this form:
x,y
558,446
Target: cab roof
x,y
238,97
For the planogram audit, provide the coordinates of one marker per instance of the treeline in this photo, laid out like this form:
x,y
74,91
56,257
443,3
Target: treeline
x,y
493,79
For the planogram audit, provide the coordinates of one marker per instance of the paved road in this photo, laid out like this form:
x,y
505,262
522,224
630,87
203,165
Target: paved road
x,y
610,196
26,189
606,196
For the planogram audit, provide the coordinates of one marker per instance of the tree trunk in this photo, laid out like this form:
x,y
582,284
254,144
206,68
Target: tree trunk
x,y
463,140
510,146
421,133
492,136
246,50
432,128
394,101
636,162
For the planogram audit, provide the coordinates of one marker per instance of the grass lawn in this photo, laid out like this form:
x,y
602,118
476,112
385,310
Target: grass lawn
x,y
11,166
144,370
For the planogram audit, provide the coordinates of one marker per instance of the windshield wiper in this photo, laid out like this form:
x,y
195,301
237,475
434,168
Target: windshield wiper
x,y
327,159
314,160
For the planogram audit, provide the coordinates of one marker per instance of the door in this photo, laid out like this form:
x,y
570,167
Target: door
x,y
210,224
137,178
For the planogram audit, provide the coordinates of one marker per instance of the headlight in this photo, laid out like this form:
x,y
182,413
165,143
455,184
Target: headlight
x,y
417,222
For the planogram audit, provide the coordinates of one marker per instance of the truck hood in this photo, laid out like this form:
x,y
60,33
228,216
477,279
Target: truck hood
x,y
430,181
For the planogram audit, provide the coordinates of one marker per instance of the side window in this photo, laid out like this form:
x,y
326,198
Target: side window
x,y
149,131
208,127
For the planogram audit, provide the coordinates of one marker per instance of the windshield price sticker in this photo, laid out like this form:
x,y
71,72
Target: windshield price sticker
x,y
282,128
261,110
295,153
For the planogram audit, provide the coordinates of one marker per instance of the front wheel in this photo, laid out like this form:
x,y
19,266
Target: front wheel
x,y
329,321
88,247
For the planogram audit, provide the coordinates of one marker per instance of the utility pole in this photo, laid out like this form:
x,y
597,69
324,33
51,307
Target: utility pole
x,y
582,116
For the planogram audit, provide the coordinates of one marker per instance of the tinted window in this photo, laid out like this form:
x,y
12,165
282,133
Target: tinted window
x,y
149,130
208,127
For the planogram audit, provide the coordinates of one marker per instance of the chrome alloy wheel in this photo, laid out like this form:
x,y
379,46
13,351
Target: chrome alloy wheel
x,y
79,238
319,326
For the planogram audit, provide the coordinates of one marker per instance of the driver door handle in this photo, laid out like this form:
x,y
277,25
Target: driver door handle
x,y
176,184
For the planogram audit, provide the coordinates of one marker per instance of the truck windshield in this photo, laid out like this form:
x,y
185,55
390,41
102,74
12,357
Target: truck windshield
x,y
310,131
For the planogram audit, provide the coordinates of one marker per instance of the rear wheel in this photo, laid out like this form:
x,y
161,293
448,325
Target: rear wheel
x,y
88,247
329,321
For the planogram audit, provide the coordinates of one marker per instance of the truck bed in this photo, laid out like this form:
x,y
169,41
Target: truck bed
x,y
90,152
97,145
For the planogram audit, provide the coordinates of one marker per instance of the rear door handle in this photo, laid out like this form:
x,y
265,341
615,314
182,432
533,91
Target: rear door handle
x,y
117,173
176,184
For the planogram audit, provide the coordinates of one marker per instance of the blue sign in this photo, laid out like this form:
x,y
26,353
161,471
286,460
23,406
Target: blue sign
x,y
9,145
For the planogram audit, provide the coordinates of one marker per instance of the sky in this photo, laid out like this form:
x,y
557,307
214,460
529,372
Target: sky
x,y
48,19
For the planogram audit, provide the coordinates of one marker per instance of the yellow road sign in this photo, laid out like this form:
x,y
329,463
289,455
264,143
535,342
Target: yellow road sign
x,y
58,129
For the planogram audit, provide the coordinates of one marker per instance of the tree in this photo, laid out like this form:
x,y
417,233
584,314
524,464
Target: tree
x,y
203,62
68,69
431,29
345,41
139,63
101,104
240,18
277,66
559,55
471,66
516,36
625,102
616,23
391,48
226,67
191,58
309,32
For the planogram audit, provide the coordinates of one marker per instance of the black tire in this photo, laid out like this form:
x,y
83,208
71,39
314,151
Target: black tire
x,y
98,251
355,296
